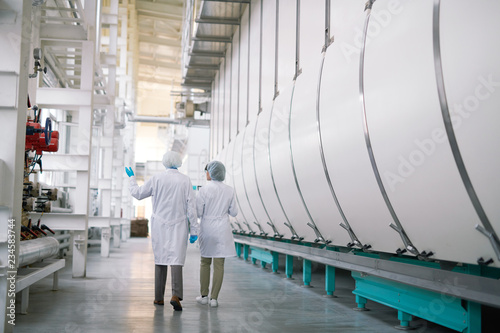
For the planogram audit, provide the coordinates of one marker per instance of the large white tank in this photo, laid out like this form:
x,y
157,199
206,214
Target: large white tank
x,y
359,140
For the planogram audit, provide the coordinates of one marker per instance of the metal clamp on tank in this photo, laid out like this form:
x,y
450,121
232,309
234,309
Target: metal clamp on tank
x,y
251,232
294,234
354,240
276,232
262,232
408,245
239,226
493,240
319,237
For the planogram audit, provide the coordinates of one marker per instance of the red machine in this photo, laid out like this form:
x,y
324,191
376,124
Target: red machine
x,y
40,138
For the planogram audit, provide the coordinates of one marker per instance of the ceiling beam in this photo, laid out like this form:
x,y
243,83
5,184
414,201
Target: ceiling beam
x,y
215,39
201,66
156,63
230,1
169,9
207,54
159,16
217,20
160,81
167,30
159,41
160,57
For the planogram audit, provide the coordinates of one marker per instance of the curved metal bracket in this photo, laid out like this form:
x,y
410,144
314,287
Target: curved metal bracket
x,y
319,236
262,232
249,228
276,232
294,233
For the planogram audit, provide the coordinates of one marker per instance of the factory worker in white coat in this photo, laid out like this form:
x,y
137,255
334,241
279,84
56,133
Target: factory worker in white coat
x,y
173,205
215,202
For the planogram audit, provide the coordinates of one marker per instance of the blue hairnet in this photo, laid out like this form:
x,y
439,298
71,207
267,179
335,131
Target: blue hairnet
x,y
172,159
216,170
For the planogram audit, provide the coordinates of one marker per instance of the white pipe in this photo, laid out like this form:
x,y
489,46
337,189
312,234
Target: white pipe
x,y
34,250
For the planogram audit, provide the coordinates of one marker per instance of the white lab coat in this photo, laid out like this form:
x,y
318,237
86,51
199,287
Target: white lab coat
x,y
214,202
173,204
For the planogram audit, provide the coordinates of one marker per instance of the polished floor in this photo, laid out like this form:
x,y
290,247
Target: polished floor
x,y
117,296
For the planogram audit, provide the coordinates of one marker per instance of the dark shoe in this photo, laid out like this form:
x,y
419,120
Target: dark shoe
x,y
159,302
176,303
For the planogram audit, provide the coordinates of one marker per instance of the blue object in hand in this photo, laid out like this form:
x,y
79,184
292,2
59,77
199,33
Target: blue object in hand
x,y
129,171
192,239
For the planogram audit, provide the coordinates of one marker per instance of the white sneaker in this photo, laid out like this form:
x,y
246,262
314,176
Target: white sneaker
x,y
203,300
214,303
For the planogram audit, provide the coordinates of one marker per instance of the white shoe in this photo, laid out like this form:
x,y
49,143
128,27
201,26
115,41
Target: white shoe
x,y
203,300
214,303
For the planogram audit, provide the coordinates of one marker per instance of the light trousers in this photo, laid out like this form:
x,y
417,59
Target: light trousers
x,y
216,277
161,280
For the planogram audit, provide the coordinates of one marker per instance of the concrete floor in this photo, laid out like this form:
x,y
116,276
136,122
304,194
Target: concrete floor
x,y
118,293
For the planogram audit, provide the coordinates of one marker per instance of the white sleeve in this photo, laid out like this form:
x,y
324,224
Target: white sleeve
x,y
233,209
141,192
200,204
191,211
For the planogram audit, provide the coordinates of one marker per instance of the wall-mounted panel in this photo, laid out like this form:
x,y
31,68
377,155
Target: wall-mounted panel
x,y
243,52
221,104
268,50
235,85
227,97
286,43
312,33
254,61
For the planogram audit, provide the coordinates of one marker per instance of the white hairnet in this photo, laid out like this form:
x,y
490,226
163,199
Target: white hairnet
x,y
216,170
172,159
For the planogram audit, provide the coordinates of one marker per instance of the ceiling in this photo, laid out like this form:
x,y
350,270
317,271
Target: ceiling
x,y
168,65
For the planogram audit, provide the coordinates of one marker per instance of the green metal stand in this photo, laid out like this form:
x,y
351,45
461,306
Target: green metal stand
x,y
238,249
306,264
246,251
329,280
275,263
413,301
289,266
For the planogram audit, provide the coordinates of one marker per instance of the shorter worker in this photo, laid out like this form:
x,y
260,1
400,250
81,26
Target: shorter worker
x,y
215,202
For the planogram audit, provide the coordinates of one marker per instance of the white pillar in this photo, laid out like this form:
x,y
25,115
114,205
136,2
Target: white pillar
x,y
105,241
15,36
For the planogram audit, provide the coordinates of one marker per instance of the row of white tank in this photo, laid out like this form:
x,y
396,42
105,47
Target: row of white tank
x,y
357,149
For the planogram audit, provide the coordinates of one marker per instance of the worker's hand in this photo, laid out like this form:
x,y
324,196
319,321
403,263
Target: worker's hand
x,y
192,239
129,171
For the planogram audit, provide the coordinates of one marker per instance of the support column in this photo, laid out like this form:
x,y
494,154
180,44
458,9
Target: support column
x,y
116,235
289,266
276,258
238,249
246,250
329,280
306,264
14,70
105,241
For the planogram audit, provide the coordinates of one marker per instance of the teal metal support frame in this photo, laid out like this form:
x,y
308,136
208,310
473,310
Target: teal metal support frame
x,y
306,276
289,266
329,280
246,251
238,249
265,257
413,301
276,261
